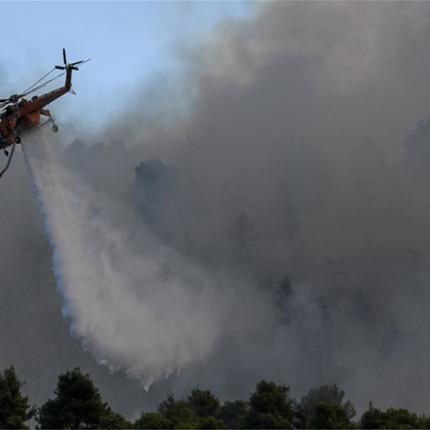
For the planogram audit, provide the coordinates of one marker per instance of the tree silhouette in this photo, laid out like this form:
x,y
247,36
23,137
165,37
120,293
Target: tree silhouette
x,y
392,418
324,407
269,407
152,420
14,407
78,404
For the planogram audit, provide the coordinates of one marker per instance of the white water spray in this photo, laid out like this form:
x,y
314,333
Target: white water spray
x,y
133,303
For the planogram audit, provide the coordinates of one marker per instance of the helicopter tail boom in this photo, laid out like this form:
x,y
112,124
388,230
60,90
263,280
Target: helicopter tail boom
x,y
69,67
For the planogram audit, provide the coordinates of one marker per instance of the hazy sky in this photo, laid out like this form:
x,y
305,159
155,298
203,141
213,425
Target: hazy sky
x,y
127,41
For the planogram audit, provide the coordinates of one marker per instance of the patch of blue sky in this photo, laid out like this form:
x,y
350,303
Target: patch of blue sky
x,y
129,42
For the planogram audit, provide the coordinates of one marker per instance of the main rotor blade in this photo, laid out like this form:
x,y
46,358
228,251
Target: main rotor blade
x,y
80,62
38,81
41,85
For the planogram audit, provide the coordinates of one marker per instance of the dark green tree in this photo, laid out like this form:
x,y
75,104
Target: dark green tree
x,y
424,422
179,413
402,419
269,407
14,407
373,418
330,417
203,403
211,423
325,407
78,404
152,420
113,420
233,414
392,419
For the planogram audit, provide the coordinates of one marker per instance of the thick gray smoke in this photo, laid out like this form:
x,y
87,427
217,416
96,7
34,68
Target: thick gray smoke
x,y
292,162
272,226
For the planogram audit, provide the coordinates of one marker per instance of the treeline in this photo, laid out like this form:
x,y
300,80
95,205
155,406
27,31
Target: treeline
x,y
77,403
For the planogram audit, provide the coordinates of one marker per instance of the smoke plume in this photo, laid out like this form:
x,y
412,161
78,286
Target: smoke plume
x,y
136,304
261,214
296,167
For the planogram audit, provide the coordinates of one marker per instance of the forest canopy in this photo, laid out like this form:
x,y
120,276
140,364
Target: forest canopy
x,y
77,403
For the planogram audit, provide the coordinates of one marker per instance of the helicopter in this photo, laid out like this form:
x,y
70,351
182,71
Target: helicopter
x,y
19,116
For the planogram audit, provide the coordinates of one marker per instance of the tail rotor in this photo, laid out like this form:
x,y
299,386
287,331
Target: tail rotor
x,y
71,66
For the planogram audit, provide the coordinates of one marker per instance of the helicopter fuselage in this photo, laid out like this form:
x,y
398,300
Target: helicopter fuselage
x,y
26,114
19,115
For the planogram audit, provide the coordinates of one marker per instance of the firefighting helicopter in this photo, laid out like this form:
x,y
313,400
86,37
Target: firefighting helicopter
x,y
19,115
